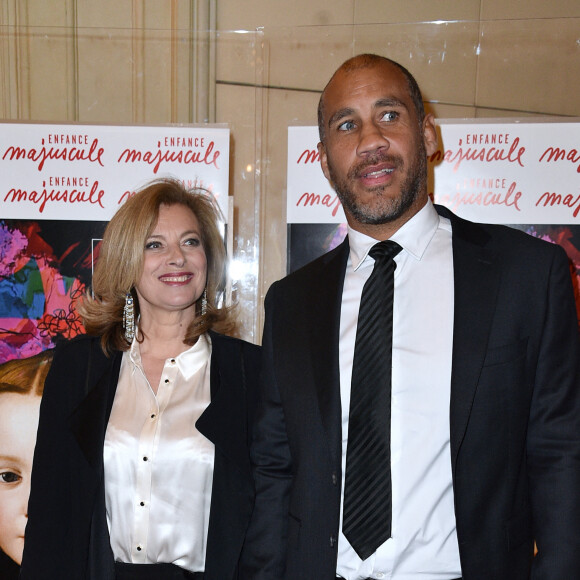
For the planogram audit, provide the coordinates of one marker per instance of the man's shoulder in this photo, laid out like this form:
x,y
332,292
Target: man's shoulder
x,y
316,268
507,238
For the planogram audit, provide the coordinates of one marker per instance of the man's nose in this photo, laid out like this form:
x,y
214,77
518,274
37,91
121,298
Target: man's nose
x,y
372,138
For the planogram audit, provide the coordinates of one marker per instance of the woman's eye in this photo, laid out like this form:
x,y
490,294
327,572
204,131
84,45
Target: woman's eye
x,y
192,242
152,245
9,477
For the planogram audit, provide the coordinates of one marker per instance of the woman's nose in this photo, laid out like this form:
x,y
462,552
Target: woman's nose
x,y
176,256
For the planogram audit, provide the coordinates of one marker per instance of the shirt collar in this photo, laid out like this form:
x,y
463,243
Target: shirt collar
x,y
188,362
413,236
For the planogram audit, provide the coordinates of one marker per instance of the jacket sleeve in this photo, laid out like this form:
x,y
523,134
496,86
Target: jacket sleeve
x,y
61,535
553,440
266,538
48,511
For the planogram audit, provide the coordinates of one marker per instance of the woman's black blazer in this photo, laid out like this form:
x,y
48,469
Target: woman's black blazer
x,y
67,535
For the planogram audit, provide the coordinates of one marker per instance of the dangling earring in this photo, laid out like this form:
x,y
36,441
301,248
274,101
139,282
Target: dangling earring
x,y
129,318
204,302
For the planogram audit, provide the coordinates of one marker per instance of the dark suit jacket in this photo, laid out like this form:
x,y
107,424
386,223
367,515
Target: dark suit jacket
x,y
514,413
67,535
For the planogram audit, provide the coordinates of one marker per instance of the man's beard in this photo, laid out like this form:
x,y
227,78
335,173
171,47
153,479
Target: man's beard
x,y
386,209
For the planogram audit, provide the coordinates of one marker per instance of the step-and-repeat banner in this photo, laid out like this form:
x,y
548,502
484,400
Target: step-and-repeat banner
x,y
59,186
519,173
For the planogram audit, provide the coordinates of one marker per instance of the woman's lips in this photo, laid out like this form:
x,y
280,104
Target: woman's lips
x,y
178,278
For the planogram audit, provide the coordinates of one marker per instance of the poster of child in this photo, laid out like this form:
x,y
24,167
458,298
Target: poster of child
x,y
21,387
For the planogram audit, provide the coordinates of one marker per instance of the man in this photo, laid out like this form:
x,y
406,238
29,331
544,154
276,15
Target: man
x,y
485,398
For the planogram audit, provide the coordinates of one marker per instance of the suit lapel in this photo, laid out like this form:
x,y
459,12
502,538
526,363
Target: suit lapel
x,y
476,273
324,323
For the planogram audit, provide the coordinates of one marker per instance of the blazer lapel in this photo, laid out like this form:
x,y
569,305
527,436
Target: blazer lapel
x,y
476,272
324,323
224,419
88,421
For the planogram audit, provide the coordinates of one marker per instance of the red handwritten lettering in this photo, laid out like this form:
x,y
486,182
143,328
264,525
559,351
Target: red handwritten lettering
x,y
551,199
481,198
557,154
313,199
156,158
43,154
482,154
126,195
308,156
41,198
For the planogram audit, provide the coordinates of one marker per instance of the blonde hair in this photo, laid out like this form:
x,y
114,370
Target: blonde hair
x,y
120,263
25,376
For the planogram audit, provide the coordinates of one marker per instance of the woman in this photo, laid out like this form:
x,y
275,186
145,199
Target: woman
x,y
21,386
141,468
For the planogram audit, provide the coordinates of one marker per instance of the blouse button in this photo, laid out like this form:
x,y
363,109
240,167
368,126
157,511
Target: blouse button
x,y
138,548
141,503
145,458
166,381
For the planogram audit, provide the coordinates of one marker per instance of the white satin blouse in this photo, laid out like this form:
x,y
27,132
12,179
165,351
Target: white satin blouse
x,y
158,466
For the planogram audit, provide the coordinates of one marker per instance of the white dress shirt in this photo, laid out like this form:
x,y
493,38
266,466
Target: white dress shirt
x,y
424,540
158,466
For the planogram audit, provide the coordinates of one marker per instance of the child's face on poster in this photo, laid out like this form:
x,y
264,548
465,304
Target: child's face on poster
x,y
18,425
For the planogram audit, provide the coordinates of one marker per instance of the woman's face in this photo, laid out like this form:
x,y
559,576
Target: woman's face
x,y
174,266
18,425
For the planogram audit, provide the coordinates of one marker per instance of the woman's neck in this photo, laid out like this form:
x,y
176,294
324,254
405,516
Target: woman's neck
x,y
163,336
161,340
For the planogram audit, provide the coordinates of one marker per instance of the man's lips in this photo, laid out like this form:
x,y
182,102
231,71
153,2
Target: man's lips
x,y
177,278
371,173
375,174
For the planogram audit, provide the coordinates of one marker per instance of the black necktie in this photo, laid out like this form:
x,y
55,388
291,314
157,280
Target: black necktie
x,y
367,489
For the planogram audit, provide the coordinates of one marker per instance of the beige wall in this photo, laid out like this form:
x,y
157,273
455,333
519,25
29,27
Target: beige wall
x,y
259,66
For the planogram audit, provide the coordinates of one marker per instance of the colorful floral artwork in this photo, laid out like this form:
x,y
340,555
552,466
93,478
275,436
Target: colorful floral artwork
x,y
45,267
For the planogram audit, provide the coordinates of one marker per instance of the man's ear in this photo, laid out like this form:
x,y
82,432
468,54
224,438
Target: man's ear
x,y
323,161
430,134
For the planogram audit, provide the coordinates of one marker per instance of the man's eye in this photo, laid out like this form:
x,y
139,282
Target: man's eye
x,y
346,126
9,477
390,116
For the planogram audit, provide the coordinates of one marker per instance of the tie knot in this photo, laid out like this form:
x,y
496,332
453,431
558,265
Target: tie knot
x,y
385,250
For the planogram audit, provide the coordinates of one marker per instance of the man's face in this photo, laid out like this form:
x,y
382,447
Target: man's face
x,y
375,151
